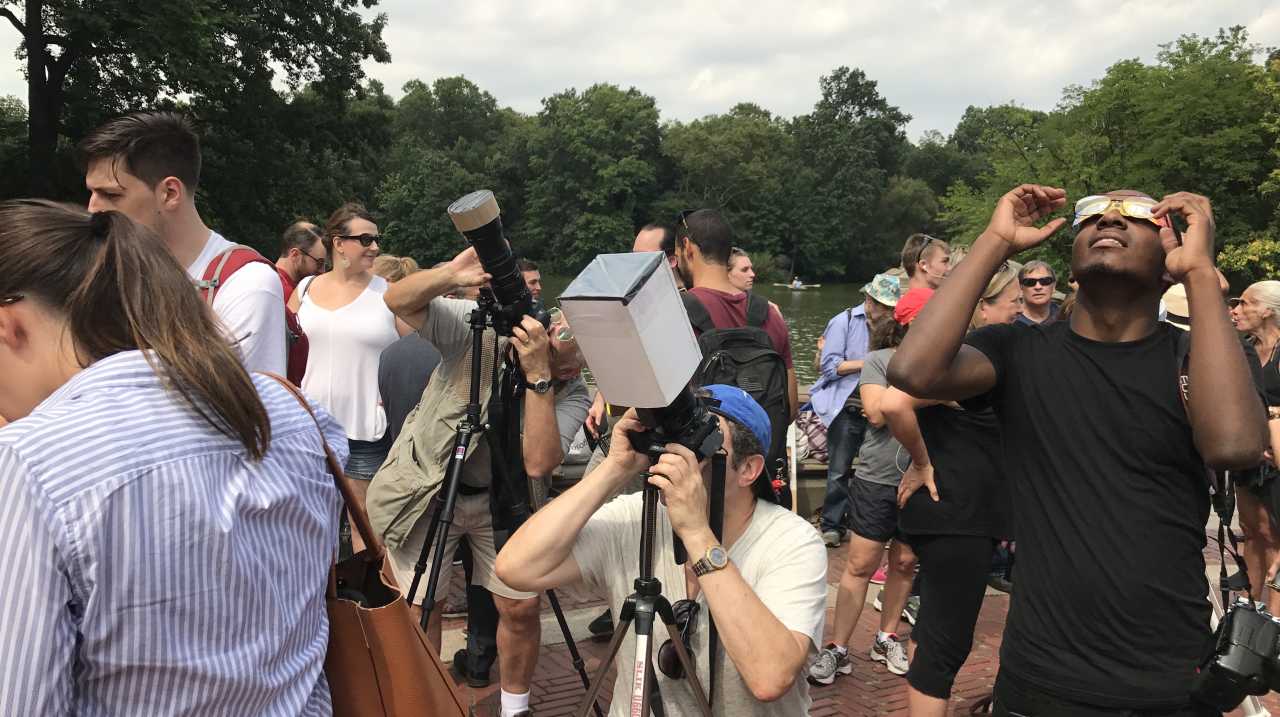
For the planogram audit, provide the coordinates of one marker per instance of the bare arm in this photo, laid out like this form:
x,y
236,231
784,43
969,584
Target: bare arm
x,y
871,394
540,555
900,413
932,361
1228,422
541,440
409,298
844,368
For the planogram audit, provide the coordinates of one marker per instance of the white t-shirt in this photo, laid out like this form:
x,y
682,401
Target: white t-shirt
x,y
251,306
342,362
779,555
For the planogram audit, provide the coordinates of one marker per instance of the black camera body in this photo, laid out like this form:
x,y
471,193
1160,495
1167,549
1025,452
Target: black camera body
x,y
1245,660
478,218
686,421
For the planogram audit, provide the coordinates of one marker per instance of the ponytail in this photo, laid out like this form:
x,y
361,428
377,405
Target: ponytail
x,y
120,289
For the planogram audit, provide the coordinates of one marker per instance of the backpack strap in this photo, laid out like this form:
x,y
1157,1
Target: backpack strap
x,y
757,310
222,266
698,315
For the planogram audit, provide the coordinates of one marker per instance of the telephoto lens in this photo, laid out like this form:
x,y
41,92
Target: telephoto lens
x,y
478,218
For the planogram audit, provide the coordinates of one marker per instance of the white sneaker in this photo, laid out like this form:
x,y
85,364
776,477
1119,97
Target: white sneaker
x,y
829,664
892,654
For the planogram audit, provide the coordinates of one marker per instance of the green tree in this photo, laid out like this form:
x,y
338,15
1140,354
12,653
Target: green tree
x,y
110,55
592,173
847,149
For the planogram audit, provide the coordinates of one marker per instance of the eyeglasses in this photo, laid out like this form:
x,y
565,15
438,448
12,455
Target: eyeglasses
x,y
1133,207
1029,282
1233,303
319,260
686,614
364,239
11,299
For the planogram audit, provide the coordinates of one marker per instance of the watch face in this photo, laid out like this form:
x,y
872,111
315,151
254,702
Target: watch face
x,y
717,557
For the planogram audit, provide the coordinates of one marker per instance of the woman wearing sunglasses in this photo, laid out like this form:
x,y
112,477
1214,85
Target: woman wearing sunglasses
x,y
150,487
348,326
1037,280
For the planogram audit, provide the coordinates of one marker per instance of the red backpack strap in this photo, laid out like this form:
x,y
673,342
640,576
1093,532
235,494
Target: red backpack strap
x,y
222,266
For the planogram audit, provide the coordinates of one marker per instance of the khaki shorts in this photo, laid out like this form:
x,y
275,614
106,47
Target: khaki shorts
x,y
471,518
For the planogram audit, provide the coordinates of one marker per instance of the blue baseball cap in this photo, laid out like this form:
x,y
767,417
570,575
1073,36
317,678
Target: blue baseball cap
x,y
741,407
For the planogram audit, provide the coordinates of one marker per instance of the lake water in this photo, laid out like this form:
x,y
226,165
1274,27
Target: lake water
x,y
807,313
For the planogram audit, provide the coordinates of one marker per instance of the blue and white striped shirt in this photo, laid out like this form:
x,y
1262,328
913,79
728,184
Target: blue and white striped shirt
x,y
149,567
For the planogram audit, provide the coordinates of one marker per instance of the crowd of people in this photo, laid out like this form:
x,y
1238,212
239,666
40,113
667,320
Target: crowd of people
x,y
158,466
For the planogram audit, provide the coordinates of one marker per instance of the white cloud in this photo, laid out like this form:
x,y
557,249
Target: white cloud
x,y
932,58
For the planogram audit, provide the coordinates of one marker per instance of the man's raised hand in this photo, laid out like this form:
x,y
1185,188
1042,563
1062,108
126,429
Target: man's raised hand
x,y
1018,211
467,270
1196,249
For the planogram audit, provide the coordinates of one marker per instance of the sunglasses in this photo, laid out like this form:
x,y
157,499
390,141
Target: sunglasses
x,y
1231,303
11,299
686,614
1132,207
928,242
364,239
1042,281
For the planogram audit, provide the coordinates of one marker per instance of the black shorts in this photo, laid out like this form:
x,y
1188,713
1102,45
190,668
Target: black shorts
x,y
873,510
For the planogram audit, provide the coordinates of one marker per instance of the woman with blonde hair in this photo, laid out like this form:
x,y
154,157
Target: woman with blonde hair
x,y
150,486
394,268
1257,315
955,523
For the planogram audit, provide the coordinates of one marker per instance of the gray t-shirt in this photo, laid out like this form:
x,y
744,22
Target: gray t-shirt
x,y
780,556
448,328
878,458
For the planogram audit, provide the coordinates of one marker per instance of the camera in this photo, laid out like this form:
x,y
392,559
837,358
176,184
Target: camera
x,y
686,421
1245,660
479,220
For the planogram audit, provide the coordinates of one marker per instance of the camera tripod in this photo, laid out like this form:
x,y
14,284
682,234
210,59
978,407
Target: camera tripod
x,y
646,603
484,315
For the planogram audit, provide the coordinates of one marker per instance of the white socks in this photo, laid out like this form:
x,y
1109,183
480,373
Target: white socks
x,y
513,705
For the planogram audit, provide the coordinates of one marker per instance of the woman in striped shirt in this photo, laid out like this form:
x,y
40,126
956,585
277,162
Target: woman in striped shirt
x,y
167,520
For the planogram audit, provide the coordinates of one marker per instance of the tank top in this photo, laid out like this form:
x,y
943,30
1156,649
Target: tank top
x,y
342,366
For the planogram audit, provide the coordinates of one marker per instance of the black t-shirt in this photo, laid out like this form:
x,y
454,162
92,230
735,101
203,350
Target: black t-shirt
x,y
973,499
1271,377
1110,501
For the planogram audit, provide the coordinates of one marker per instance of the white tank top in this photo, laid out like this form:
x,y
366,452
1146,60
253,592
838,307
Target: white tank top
x,y
342,365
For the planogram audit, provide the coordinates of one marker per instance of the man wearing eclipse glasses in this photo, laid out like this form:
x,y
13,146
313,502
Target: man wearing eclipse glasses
x,y
1114,474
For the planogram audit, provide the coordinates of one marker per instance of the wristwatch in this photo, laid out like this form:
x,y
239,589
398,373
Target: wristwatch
x,y
715,559
540,386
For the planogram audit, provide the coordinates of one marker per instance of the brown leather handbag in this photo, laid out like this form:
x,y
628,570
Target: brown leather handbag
x,y
379,661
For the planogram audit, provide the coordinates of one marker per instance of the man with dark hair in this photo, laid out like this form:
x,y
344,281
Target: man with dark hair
x,y
1130,484
532,277
704,241
763,581
926,260
147,166
659,237
301,254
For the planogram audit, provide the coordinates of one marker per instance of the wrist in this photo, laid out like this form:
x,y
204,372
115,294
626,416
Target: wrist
x,y
698,540
989,240
1201,274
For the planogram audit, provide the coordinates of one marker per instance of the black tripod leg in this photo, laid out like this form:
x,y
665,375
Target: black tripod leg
x,y
420,567
574,655
597,680
690,671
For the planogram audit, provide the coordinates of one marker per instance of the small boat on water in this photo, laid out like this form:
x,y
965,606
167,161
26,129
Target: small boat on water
x,y
799,287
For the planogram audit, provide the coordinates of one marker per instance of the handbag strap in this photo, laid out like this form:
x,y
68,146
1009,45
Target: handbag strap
x,y
355,507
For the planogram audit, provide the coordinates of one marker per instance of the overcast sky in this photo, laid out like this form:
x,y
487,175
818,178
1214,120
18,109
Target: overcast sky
x,y
932,58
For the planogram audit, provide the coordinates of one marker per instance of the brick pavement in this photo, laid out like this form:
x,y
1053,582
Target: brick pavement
x,y
870,691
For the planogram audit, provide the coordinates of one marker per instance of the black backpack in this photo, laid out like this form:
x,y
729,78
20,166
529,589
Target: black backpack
x,y
745,357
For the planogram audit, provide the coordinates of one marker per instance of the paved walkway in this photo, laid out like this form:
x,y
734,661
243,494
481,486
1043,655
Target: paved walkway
x,y
870,690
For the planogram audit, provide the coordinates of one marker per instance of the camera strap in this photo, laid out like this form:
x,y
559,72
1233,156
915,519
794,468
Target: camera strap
x,y
1221,493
